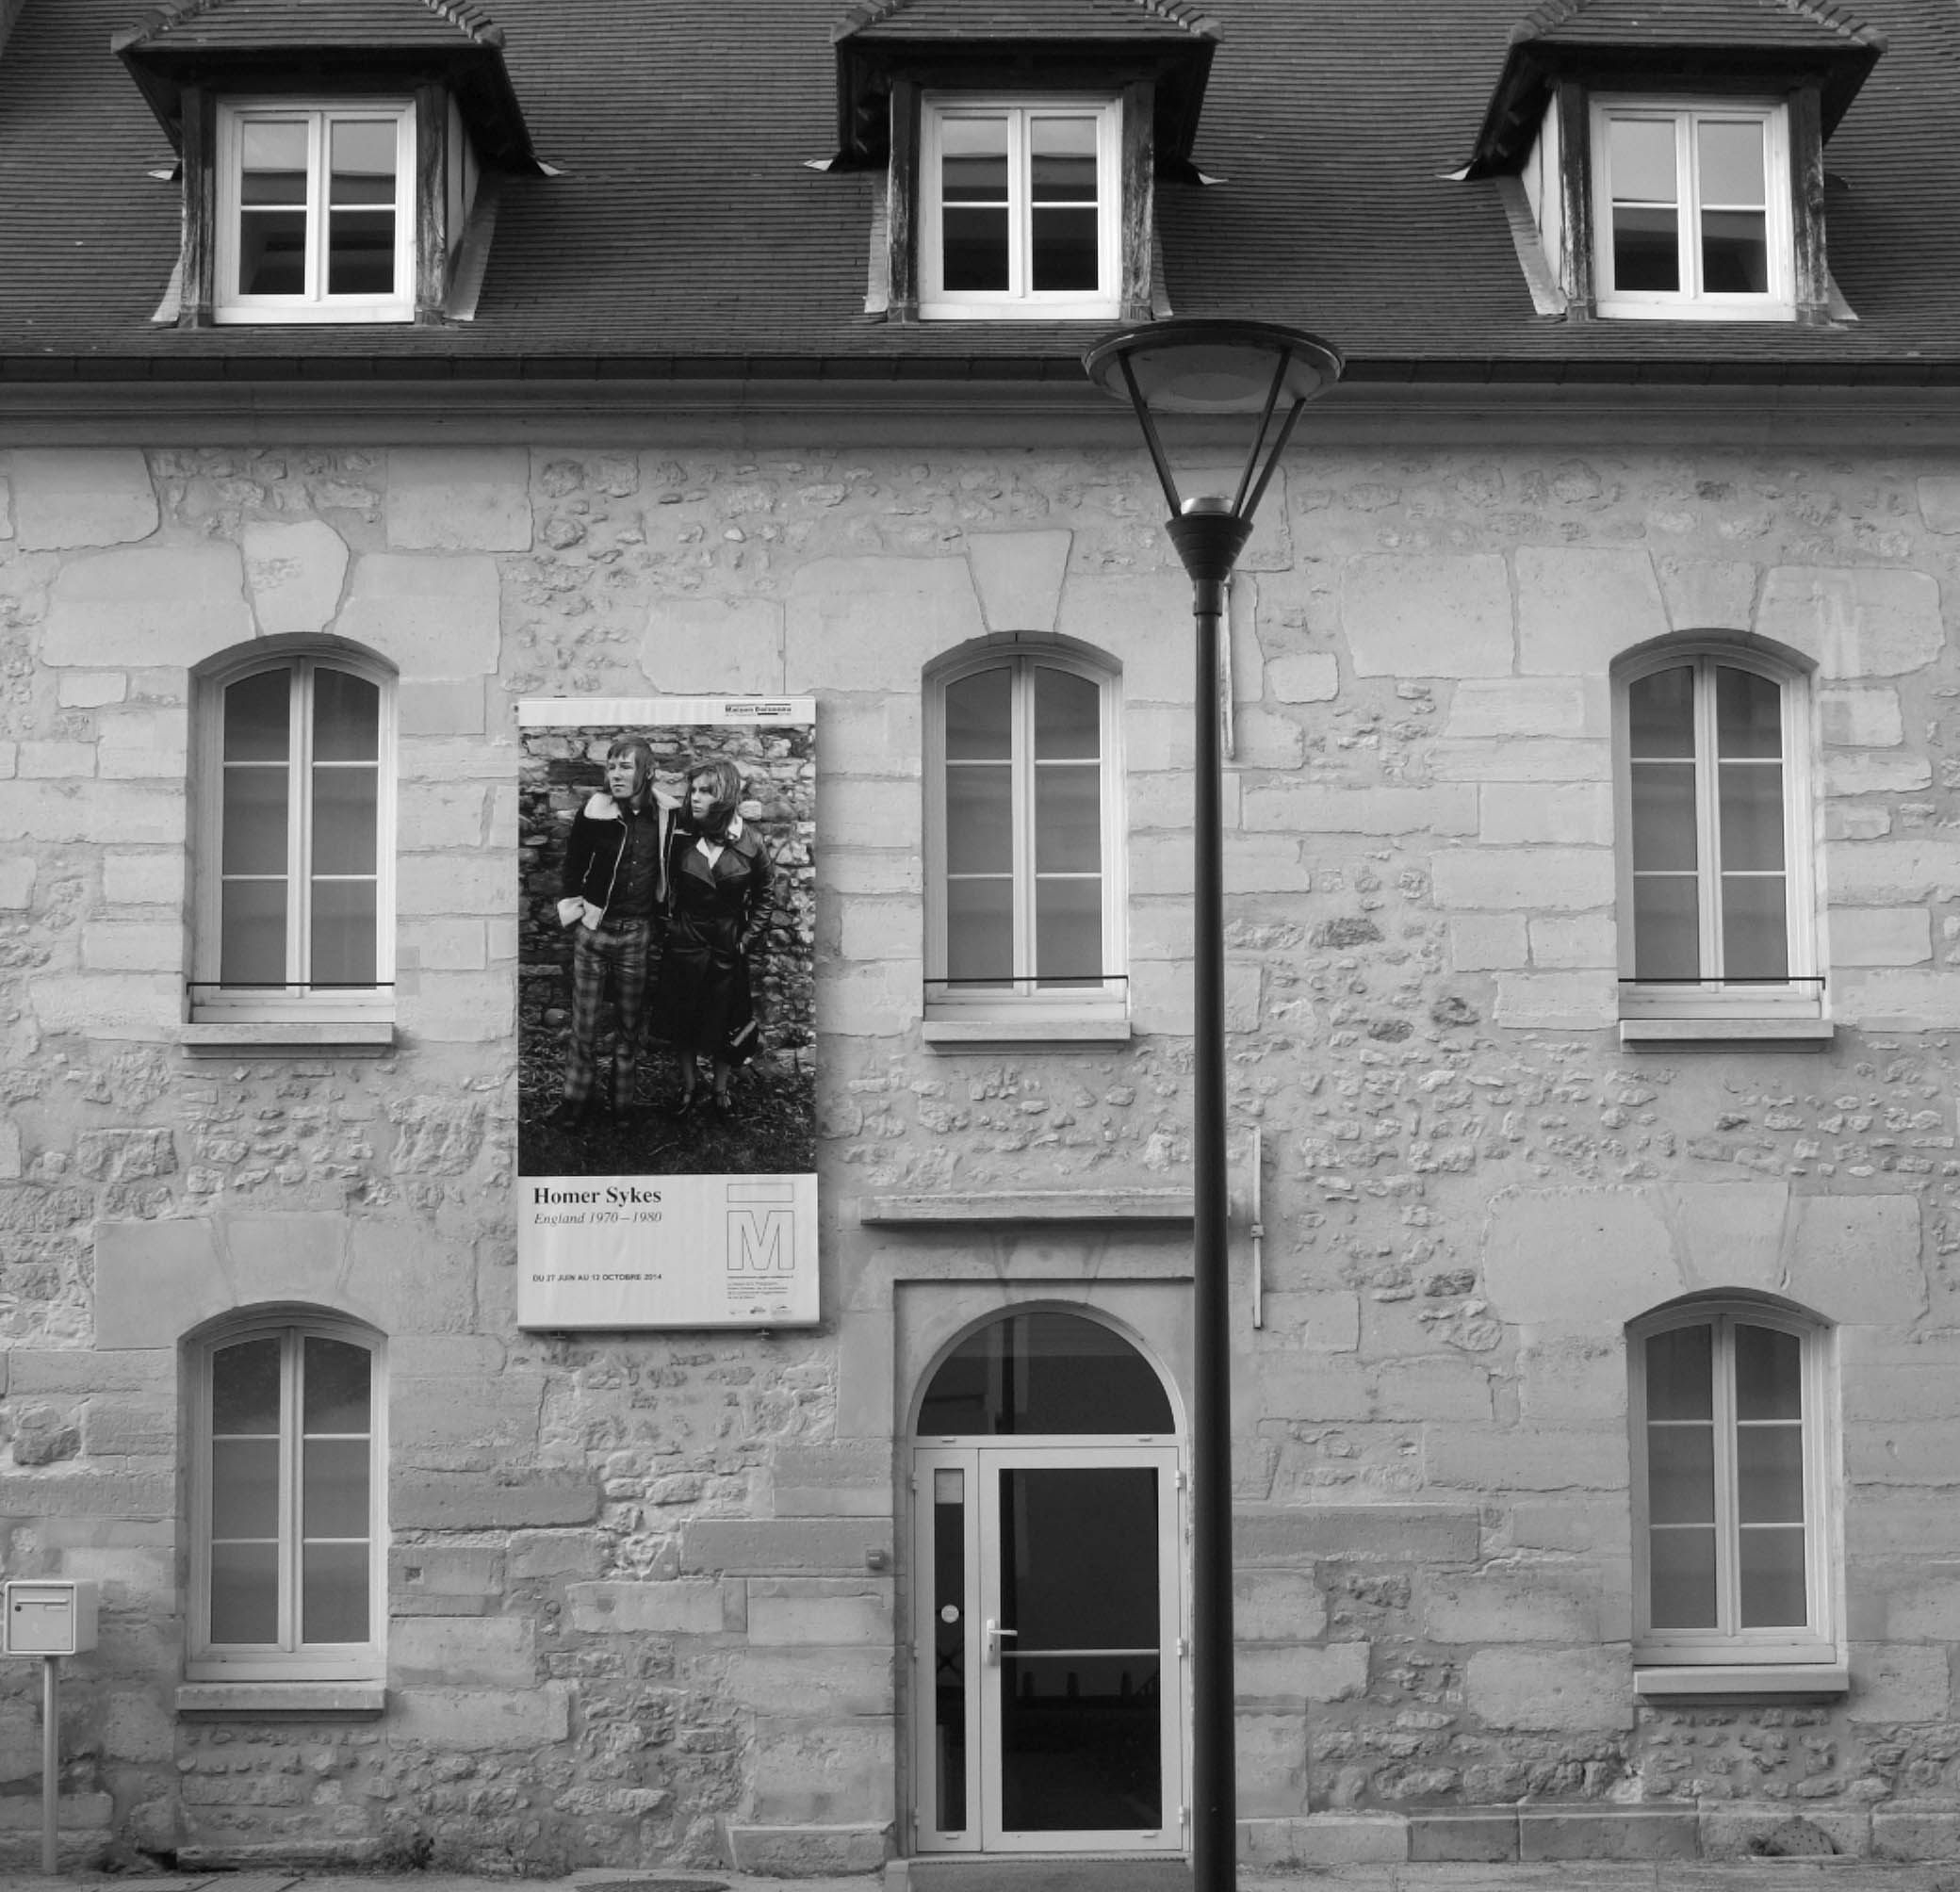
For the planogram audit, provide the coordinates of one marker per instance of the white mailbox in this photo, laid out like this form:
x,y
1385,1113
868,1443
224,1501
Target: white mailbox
x,y
48,1616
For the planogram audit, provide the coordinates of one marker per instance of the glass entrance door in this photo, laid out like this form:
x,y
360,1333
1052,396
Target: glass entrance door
x,y
1049,1683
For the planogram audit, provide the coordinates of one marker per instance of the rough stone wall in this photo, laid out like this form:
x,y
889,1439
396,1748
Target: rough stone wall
x,y
633,1604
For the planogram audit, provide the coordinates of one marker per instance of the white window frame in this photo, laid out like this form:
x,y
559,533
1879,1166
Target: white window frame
x,y
1712,999
214,1004
1692,302
314,305
288,1660
1817,1646
1018,302
1026,1011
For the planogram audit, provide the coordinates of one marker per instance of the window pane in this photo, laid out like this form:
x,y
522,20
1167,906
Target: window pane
x,y
1666,927
253,819
980,929
976,250
244,1593
343,932
1681,1578
272,252
977,710
1755,927
1661,713
245,1387
245,1487
1663,817
362,161
1735,253
1068,819
1033,1372
257,725
1679,1369
344,815
346,717
1646,250
1769,1474
1769,1373
273,162
973,160
1748,714
1774,1594
361,253
339,1375
1062,161
1641,154
1066,254
1751,796
949,1533
1067,716
1681,1474
333,1592
1731,161
252,932
1068,930
334,1488
979,818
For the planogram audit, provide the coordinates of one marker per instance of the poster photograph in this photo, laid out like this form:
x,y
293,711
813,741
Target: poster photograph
x,y
666,1111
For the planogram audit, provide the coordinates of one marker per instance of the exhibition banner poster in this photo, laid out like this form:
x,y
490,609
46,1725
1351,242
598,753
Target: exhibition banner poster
x,y
666,1120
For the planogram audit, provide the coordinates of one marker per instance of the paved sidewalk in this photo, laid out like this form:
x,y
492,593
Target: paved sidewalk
x,y
1748,1875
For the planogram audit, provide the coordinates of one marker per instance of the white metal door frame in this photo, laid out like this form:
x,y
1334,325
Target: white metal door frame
x,y
979,1467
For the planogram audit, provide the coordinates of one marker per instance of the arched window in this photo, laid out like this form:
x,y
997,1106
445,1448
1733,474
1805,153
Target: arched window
x,y
1044,1371
1732,1412
1023,838
1716,900
295,803
288,1482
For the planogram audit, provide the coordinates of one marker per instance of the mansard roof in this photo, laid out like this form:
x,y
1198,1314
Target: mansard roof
x,y
687,232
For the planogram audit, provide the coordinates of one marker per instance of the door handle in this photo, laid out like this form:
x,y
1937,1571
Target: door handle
x,y
993,1633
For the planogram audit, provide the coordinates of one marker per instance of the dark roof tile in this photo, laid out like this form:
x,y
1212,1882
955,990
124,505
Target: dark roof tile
x,y
1024,19
242,25
1693,22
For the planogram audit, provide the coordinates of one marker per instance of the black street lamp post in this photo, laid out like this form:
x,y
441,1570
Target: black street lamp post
x,y
1204,367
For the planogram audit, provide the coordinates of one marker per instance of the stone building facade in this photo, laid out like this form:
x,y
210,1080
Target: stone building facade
x,y
1592,741
651,1595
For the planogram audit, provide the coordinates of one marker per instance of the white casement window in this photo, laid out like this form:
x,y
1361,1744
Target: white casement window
x,y
288,1487
296,806
316,212
1717,904
1025,902
1019,208
1733,1434
1692,210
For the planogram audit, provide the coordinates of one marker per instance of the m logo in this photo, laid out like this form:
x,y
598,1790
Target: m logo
x,y
762,1241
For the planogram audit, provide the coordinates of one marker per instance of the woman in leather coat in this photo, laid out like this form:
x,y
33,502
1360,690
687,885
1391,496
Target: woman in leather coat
x,y
719,905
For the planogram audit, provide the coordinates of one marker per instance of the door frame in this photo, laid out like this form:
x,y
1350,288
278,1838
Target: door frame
x,y
980,1460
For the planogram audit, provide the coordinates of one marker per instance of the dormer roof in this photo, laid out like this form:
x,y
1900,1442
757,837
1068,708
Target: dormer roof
x,y
1056,41
1646,42
237,43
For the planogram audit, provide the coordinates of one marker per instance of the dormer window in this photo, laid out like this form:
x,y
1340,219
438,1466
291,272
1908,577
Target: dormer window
x,y
1017,151
1666,163
1020,207
343,167
315,213
1692,213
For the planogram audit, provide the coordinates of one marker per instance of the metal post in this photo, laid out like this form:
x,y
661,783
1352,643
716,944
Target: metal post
x,y
50,1761
1209,538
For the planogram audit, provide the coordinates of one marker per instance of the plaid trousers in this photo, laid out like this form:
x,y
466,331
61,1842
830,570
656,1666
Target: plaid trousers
x,y
618,952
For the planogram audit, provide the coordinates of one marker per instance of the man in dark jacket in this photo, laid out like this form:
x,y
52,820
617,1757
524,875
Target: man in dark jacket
x,y
614,888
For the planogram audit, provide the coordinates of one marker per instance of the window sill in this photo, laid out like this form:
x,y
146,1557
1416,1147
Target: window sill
x,y
1806,1681
1047,1031
250,1701
1717,1028
344,1037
